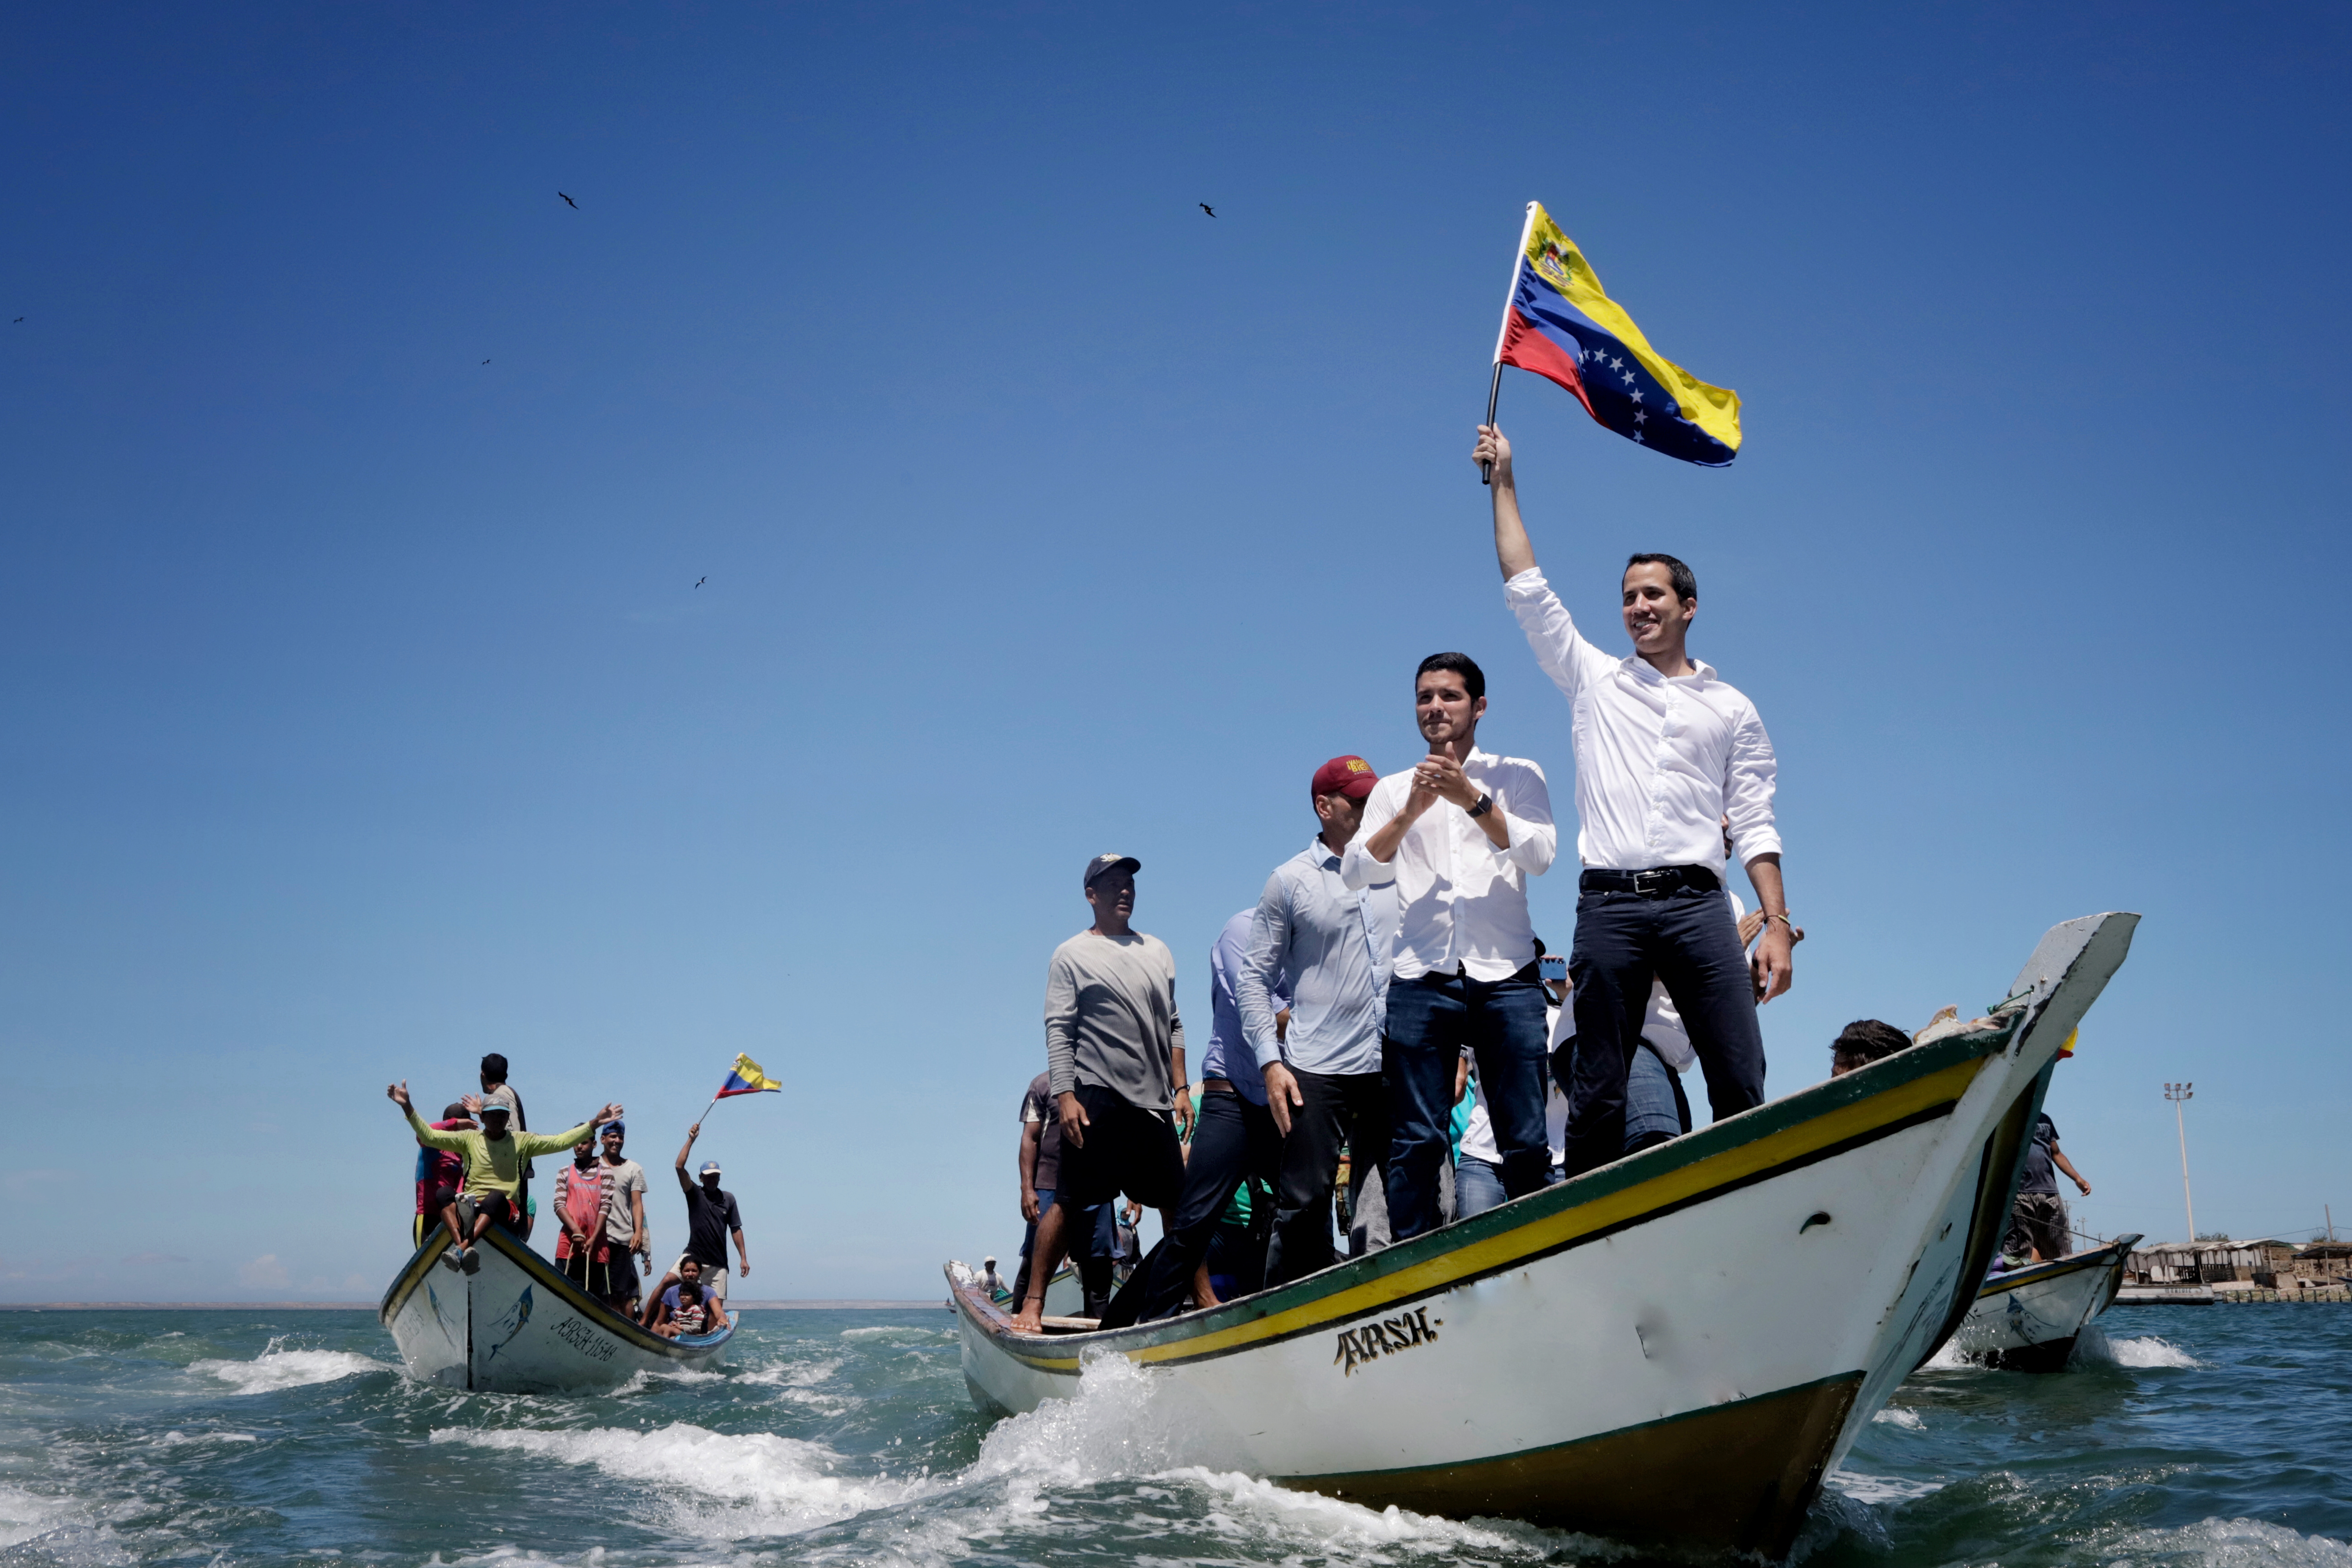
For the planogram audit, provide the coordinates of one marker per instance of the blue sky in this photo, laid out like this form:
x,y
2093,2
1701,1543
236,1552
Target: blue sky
x,y
362,717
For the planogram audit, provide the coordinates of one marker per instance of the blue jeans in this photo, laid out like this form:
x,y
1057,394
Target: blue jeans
x,y
1478,1186
1655,1106
1624,942
1430,1020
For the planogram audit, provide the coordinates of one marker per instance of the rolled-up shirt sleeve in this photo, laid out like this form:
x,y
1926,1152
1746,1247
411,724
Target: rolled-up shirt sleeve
x,y
1358,869
1559,649
1259,974
1750,780
1533,840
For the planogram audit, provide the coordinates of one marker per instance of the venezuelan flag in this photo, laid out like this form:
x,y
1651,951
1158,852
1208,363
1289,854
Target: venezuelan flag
x,y
1563,327
746,1079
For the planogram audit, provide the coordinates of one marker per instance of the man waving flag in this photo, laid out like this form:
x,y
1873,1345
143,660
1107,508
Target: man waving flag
x,y
1562,326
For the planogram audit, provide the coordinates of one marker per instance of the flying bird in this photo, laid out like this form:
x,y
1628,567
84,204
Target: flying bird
x,y
1207,208
569,202
18,319
700,581
485,362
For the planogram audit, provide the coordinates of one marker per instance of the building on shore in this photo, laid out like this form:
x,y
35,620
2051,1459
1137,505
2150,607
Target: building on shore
x,y
2261,1263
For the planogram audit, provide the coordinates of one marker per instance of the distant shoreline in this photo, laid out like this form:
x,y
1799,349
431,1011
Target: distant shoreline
x,y
369,1306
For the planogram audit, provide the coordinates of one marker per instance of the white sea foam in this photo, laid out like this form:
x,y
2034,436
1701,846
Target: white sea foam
x,y
24,1515
1895,1415
2226,1543
2147,1351
275,1369
174,1438
799,1383
1113,1428
720,1485
1868,1488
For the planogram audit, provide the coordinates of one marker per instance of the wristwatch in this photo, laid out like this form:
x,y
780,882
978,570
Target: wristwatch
x,y
1485,804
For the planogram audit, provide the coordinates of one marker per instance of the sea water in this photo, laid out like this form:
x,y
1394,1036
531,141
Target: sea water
x,y
2217,1435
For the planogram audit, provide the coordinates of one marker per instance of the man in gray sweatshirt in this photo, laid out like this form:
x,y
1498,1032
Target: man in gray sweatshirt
x,y
1115,1056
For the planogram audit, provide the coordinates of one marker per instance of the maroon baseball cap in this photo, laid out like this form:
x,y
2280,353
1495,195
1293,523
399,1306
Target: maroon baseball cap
x,y
1350,776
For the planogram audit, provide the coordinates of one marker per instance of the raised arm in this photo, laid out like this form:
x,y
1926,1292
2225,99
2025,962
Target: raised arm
x,y
431,1138
1512,550
684,1182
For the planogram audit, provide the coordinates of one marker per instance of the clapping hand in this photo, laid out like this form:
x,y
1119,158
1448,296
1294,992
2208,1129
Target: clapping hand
x,y
1443,778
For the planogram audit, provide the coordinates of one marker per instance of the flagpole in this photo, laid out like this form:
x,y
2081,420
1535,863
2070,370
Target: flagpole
x,y
1495,387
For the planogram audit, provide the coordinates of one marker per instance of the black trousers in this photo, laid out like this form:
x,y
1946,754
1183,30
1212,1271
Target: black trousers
x,y
1624,942
1234,1138
1349,1107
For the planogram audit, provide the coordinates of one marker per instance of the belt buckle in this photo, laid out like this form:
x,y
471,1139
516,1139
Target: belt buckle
x,y
1642,890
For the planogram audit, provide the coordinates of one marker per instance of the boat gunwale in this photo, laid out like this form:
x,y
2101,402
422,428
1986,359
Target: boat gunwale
x,y
635,1335
1882,1080
2057,1268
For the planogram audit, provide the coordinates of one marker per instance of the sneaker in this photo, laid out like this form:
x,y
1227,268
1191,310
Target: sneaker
x,y
473,1261
450,1259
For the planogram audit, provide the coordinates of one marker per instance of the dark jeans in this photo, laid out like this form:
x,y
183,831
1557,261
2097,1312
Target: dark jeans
x,y
1430,1020
1093,1242
1623,941
1234,1138
1339,1107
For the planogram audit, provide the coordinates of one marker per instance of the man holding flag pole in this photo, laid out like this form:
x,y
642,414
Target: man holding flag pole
x,y
711,1215
1666,751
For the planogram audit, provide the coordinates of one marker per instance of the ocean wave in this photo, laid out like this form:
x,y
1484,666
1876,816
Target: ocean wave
x,y
2145,1351
899,1334
1895,1415
276,1368
722,1485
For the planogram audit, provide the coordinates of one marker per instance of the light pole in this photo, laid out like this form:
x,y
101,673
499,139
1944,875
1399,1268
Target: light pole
x,y
2180,1093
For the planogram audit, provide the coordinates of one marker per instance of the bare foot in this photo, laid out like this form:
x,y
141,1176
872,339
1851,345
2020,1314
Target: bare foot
x,y
1030,1322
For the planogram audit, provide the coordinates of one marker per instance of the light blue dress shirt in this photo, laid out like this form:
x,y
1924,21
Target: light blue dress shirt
x,y
1228,1056
1336,945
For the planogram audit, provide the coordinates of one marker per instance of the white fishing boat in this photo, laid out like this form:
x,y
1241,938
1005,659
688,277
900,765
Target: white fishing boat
x,y
1675,1348
2028,1318
517,1326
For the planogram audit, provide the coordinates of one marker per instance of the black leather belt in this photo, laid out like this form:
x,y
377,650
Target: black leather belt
x,y
1439,977
1656,882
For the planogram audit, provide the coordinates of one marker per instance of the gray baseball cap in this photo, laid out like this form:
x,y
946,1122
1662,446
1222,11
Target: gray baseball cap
x,y
1104,863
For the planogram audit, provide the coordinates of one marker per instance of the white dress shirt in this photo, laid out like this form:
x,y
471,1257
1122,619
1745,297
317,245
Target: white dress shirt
x,y
1659,762
1461,902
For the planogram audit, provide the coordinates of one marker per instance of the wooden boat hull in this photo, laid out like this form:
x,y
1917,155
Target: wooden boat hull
x,y
1733,1305
517,1326
2028,1321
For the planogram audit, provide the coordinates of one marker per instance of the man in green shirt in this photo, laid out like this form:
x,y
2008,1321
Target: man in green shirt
x,y
495,1159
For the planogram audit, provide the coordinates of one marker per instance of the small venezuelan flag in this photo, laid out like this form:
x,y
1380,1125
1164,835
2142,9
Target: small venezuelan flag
x,y
1560,325
746,1079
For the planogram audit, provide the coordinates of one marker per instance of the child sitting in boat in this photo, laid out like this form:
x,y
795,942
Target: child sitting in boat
x,y
683,1309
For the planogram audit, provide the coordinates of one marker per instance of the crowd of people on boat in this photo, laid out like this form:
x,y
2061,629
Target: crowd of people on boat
x,y
1391,1047
474,1170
